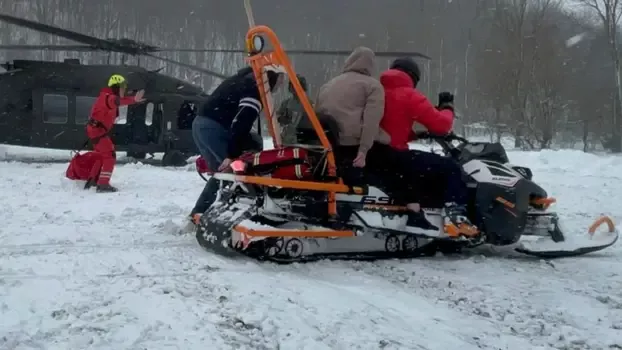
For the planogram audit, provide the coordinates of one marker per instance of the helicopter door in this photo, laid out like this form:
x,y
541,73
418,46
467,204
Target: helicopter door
x,y
139,136
53,122
121,130
153,119
186,110
132,128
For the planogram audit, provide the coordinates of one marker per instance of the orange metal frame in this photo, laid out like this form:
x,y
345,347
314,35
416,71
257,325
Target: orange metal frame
x,y
292,233
258,61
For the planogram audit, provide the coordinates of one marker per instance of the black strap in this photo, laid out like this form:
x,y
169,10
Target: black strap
x,y
117,101
97,124
202,176
86,143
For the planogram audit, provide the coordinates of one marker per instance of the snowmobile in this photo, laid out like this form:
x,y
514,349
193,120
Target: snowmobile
x,y
289,204
289,225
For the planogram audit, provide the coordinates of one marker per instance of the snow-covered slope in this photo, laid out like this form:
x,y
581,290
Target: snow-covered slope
x,y
80,270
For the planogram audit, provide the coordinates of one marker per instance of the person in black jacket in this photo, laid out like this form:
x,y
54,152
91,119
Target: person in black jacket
x,y
222,129
290,113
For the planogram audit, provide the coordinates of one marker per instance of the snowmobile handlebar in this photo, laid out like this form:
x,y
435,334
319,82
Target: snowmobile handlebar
x,y
426,135
445,141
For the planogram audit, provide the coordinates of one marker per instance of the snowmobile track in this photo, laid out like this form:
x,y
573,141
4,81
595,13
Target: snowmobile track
x,y
254,255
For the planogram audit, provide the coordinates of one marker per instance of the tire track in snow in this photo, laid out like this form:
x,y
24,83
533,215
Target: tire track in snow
x,y
537,300
88,278
121,265
90,322
32,249
165,228
542,302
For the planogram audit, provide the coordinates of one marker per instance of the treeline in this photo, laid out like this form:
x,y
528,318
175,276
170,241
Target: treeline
x,y
538,70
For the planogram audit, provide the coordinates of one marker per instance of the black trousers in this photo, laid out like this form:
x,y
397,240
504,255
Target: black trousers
x,y
409,176
344,156
426,173
379,171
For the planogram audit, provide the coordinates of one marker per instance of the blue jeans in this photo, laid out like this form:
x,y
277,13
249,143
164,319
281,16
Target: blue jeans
x,y
212,140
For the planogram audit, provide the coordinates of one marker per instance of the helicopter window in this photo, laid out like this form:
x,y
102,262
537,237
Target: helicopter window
x,y
83,108
149,114
122,118
186,114
55,109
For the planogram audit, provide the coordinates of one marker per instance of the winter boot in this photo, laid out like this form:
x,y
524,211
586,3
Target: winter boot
x,y
106,189
195,218
89,183
416,219
456,222
192,223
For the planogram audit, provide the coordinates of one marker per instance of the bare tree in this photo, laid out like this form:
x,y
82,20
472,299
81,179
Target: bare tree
x,y
609,12
506,60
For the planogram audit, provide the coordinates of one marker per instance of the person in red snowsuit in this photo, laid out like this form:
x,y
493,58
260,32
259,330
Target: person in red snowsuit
x,y
405,105
103,114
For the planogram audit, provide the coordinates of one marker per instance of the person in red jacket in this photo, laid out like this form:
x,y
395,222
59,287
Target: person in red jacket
x,y
103,114
405,105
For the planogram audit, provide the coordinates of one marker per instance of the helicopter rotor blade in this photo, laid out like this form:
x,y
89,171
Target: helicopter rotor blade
x,y
347,53
198,50
307,52
135,48
189,66
86,48
47,47
91,41
122,45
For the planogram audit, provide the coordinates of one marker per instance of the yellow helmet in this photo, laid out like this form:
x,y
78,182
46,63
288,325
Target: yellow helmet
x,y
116,79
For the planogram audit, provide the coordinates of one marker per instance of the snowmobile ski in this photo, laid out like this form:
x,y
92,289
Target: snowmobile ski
x,y
561,246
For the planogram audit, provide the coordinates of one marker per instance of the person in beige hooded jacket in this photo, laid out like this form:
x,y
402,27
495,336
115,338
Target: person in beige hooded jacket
x,y
355,100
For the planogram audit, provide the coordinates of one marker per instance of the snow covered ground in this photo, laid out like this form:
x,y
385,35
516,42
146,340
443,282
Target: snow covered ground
x,y
38,155
80,270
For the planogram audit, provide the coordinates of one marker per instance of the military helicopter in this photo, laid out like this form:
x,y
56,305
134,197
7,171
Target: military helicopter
x,y
47,104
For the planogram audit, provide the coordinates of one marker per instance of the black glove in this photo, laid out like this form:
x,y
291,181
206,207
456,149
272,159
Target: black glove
x,y
445,100
285,118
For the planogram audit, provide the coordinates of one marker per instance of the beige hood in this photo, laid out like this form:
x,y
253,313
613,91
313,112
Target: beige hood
x,y
361,60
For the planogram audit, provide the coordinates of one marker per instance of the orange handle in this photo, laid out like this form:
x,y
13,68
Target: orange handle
x,y
599,222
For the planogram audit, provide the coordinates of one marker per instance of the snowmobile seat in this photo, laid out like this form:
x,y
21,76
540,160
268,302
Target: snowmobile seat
x,y
351,176
306,135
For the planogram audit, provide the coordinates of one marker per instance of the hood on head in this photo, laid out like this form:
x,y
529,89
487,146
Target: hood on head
x,y
394,78
361,60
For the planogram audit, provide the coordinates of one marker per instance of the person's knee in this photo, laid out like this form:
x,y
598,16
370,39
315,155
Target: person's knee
x,y
453,171
107,155
454,167
217,152
444,162
201,146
